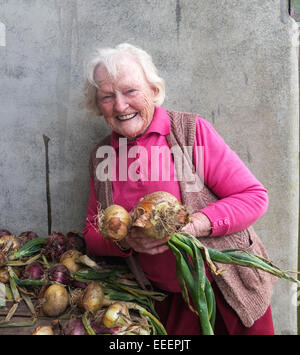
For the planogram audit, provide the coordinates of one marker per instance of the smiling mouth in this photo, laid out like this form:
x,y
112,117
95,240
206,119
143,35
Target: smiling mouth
x,y
126,117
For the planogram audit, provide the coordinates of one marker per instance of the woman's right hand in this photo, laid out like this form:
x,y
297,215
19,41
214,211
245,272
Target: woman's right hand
x,y
139,242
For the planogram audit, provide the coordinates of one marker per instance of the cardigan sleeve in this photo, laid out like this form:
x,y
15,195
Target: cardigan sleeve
x,y
242,198
95,242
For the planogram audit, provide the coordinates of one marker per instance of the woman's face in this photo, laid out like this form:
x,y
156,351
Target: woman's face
x,y
126,102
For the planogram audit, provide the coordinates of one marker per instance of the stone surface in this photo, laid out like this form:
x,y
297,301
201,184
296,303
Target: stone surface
x,y
233,62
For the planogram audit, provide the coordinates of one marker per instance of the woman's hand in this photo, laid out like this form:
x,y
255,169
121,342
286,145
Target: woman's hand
x,y
199,226
139,242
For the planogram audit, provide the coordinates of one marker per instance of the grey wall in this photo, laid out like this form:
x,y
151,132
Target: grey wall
x,y
233,62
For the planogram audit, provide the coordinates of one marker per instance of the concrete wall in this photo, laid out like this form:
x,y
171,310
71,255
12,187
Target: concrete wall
x,y
234,62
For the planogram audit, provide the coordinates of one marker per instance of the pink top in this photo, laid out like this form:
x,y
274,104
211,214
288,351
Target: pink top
x,y
242,197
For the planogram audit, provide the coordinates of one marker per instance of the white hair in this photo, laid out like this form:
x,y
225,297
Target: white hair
x,y
109,57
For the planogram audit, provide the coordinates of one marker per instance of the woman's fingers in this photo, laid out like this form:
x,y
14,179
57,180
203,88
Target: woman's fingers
x,y
143,244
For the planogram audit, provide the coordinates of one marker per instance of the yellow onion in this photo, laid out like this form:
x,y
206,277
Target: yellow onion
x,y
114,223
92,297
43,330
70,258
55,300
117,314
159,214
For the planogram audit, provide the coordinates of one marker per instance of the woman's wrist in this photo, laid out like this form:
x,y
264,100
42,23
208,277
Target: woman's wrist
x,y
199,225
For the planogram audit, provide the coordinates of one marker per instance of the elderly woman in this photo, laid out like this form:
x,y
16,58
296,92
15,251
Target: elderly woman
x,y
123,86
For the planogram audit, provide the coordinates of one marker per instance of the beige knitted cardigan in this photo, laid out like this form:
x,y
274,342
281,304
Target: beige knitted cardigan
x,y
248,291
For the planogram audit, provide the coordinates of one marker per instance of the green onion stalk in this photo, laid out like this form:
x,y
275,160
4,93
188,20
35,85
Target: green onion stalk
x,y
190,255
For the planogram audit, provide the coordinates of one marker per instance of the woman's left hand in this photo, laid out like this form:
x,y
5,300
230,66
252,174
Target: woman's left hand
x,y
139,242
199,226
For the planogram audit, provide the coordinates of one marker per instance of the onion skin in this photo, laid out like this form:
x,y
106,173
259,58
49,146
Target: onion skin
x,y
92,297
159,215
115,223
59,273
34,271
69,258
55,300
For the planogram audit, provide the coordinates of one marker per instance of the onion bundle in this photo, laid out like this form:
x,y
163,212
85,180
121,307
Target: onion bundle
x,y
160,215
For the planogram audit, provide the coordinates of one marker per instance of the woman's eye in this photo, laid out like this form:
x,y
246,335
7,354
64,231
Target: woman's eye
x,y
106,98
130,91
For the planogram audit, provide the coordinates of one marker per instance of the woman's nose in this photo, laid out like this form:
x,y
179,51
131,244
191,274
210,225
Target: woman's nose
x,y
120,103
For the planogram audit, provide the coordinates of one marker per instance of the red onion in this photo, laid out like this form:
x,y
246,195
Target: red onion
x,y
4,232
75,241
56,245
78,284
34,271
27,236
60,274
76,327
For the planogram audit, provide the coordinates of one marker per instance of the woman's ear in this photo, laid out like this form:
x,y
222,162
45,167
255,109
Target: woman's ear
x,y
155,91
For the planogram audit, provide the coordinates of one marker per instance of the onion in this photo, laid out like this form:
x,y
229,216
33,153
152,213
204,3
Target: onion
x,y
4,276
114,223
56,245
78,284
69,259
44,330
116,314
55,300
33,271
4,232
76,327
59,273
9,244
3,258
92,297
75,241
159,214
25,237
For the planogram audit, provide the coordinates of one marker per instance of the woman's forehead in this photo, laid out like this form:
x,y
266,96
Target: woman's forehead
x,y
128,72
